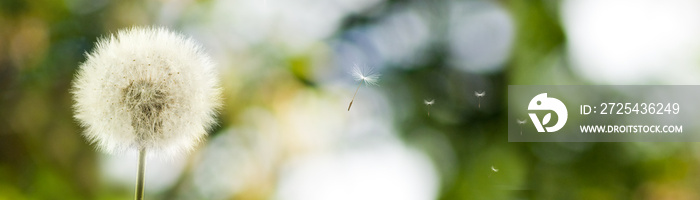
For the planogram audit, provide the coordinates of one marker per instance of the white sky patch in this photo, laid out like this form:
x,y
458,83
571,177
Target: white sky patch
x,y
634,42
120,170
390,171
297,24
401,38
223,167
480,36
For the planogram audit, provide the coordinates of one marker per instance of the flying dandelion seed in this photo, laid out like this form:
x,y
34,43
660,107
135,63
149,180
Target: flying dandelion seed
x,y
494,170
479,95
429,103
520,123
146,89
368,76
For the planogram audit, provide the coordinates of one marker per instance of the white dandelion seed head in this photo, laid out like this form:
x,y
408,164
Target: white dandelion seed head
x,y
146,88
479,94
367,75
429,102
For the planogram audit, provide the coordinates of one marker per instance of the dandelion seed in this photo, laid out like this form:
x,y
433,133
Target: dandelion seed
x,y
143,104
494,170
369,77
479,95
520,123
429,103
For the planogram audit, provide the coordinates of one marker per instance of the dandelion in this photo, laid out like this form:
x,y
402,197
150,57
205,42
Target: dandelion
x,y
146,89
479,95
429,103
520,123
494,170
369,77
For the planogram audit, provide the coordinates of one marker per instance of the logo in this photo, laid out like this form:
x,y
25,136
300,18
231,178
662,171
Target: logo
x,y
542,102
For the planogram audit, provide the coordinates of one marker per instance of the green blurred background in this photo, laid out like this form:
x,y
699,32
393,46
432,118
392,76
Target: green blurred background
x,y
284,132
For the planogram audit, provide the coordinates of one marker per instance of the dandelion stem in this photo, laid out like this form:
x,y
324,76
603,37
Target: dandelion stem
x,y
353,96
140,174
